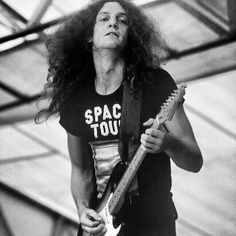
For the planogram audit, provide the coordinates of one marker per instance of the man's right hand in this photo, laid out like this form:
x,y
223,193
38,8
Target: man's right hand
x,y
91,222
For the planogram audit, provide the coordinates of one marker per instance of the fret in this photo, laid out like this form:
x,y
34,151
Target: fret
x,y
126,179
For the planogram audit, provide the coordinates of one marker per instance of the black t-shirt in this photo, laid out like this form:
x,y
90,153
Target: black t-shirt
x,y
96,118
93,116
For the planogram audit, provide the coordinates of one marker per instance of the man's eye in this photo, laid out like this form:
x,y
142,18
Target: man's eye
x,y
124,21
104,19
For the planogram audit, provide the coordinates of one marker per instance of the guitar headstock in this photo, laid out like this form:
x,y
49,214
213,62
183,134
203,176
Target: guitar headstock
x,y
169,106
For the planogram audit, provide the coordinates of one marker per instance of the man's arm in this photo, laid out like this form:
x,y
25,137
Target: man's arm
x,y
81,172
179,144
82,185
183,148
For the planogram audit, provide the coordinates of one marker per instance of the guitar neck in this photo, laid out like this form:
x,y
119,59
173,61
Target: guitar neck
x,y
167,111
125,181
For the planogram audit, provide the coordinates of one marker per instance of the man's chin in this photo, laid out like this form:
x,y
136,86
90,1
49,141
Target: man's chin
x,y
110,46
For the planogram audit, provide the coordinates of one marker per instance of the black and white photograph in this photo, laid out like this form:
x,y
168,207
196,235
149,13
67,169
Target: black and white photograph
x,y
117,117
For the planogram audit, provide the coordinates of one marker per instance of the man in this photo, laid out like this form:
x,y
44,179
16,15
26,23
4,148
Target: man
x,y
90,58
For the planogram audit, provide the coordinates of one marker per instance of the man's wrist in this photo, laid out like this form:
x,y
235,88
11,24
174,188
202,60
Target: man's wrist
x,y
81,206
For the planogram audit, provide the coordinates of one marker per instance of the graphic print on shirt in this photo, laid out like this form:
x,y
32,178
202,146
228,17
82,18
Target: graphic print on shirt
x,y
104,120
106,156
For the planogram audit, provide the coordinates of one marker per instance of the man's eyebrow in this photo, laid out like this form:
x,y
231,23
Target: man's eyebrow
x,y
119,13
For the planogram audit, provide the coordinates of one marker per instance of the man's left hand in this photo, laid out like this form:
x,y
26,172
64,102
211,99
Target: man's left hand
x,y
155,140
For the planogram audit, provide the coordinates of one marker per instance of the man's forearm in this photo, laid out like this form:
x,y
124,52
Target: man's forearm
x,y
185,154
82,188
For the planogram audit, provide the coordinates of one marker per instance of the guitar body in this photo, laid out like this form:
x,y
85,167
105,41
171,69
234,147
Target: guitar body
x,y
112,223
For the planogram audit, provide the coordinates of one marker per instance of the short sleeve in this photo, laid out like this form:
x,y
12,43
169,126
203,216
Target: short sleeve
x,y
161,86
170,83
165,82
156,92
71,117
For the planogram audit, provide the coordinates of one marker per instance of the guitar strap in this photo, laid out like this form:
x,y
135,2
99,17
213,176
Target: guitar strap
x,y
130,128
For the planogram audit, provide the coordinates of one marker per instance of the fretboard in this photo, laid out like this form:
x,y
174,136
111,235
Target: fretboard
x,y
167,112
126,179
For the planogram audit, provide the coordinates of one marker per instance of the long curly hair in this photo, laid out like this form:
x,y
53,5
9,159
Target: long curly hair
x,y
70,55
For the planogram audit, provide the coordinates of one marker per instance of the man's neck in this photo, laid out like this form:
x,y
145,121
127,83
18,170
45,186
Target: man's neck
x,y
109,68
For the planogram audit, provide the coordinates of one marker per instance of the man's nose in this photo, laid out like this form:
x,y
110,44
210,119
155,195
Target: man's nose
x,y
113,23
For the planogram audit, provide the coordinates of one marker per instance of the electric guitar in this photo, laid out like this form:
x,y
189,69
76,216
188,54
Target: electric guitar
x,y
113,198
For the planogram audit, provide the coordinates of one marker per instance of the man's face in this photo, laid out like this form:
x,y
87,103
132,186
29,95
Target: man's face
x,y
111,27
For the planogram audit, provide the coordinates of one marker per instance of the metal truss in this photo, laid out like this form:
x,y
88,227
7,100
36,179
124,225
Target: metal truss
x,y
5,224
16,15
207,21
227,37
59,219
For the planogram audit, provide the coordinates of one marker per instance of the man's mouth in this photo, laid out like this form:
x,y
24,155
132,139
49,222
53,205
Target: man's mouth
x,y
113,33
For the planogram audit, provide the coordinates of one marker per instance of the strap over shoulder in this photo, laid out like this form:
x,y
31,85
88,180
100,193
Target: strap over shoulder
x,y
130,127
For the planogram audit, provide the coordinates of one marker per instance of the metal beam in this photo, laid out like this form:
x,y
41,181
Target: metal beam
x,y
7,21
19,102
32,30
194,229
208,74
41,142
4,224
39,12
232,15
37,203
202,18
13,12
23,45
154,3
207,46
204,5
12,91
211,122
14,160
